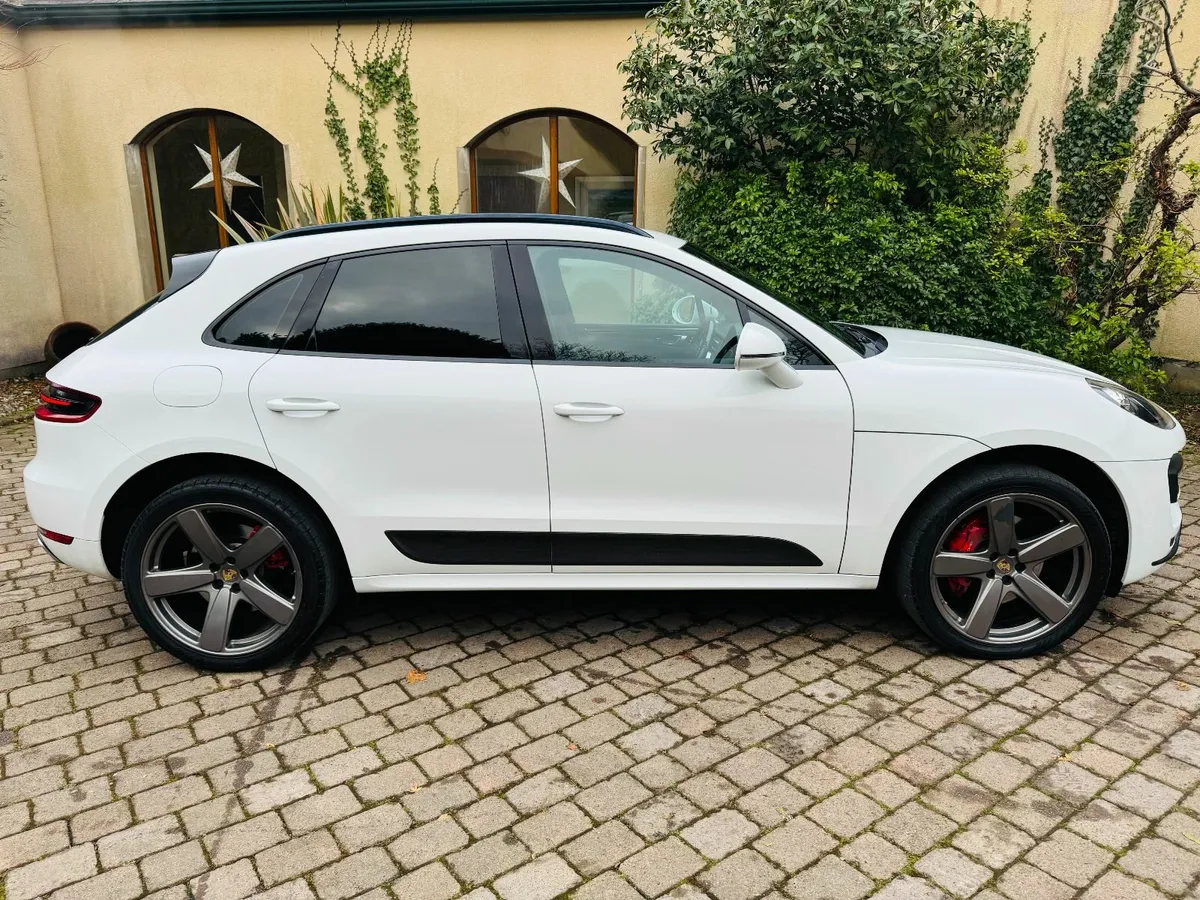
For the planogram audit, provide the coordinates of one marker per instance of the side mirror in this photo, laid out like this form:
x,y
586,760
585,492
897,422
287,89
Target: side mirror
x,y
761,349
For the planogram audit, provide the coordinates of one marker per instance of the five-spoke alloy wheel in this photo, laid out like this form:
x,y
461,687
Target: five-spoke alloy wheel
x,y
228,573
1003,562
238,587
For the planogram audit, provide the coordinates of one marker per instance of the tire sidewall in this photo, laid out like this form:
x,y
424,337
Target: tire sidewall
x,y
284,515
957,499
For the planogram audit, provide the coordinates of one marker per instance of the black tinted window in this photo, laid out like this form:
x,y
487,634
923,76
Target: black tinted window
x,y
266,318
438,302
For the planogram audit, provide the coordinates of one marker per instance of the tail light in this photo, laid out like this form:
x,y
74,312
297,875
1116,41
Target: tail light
x,y
62,404
57,536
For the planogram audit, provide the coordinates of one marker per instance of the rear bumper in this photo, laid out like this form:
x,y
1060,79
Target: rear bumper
x,y
77,469
79,554
1154,520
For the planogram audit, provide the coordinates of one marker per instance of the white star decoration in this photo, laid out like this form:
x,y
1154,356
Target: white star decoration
x,y
230,176
542,174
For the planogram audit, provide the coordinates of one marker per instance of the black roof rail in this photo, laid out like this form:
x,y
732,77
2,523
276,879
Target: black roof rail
x,y
520,218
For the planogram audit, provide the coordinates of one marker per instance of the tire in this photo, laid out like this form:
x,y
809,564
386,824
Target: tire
x,y
1043,512
213,613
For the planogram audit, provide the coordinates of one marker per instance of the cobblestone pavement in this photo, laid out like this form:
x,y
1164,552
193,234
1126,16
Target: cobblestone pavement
x,y
595,746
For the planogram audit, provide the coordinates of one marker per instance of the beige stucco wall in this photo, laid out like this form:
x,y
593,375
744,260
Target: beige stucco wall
x,y
29,298
101,86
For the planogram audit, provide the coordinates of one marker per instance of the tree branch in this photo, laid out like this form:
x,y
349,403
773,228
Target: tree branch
x,y
1165,27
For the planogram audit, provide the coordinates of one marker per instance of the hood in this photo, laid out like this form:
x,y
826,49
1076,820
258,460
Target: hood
x,y
932,348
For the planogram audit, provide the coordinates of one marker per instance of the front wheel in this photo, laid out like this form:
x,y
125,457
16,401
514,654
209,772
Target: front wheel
x,y
229,573
1003,562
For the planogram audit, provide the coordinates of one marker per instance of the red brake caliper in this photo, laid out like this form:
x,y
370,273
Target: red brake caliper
x,y
277,560
970,538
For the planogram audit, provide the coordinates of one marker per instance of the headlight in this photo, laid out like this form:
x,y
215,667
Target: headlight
x,y
1146,410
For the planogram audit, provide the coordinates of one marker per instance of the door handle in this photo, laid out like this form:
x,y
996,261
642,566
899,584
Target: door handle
x,y
588,412
301,407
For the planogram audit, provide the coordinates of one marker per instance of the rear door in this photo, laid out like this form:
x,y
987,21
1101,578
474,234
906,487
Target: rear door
x,y
408,408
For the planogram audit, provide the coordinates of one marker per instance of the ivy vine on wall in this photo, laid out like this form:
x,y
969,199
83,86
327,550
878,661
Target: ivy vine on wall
x,y
377,78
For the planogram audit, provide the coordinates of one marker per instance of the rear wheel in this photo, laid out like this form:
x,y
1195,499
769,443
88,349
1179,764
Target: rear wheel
x,y
230,573
1003,562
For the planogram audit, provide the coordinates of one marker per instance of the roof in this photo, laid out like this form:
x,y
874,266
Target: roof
x,y
464,218
32,13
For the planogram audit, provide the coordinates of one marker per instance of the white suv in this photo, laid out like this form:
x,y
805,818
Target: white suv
x,y
471,402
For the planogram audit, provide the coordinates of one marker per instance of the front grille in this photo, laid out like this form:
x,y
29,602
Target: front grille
x,y
1174,467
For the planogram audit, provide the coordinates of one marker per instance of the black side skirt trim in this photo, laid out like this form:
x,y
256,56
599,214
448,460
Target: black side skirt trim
x,y
474,548
516,548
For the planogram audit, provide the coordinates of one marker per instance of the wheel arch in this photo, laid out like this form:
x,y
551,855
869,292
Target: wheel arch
x,y
1082,472
127,503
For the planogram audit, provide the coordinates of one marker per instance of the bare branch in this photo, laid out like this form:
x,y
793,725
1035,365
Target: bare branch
x,y
1164,28
13,57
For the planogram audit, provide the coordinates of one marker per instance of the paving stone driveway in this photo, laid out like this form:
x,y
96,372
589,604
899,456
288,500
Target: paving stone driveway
x,y
594,746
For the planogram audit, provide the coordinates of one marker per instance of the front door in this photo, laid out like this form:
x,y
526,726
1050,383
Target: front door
x,y
412,417
661,456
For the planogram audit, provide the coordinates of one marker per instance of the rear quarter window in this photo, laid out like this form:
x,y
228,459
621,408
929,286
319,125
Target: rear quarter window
x,y
265,319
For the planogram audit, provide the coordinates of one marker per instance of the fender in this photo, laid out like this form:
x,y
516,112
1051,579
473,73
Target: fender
x,y
890,470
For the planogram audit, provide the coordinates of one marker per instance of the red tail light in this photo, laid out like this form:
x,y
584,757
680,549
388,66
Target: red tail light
x,y
62,404
56,536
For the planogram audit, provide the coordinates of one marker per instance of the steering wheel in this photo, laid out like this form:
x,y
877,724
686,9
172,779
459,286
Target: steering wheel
x,y
729,345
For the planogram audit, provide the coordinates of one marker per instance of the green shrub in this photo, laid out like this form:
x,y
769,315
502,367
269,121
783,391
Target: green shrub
x,y
913,87
845,152
839,238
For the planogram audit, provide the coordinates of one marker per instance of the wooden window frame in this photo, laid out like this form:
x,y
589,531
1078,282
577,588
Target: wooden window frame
x,y
144,145
553,116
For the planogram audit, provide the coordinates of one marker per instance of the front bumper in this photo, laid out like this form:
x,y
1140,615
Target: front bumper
x,y
1155,520
1173,552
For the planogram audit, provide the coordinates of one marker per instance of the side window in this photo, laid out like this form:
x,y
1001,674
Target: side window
x,y
609,306
434,302
266,318
799,352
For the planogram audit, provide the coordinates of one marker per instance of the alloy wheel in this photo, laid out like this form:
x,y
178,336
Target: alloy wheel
x,y
1011,568
221,579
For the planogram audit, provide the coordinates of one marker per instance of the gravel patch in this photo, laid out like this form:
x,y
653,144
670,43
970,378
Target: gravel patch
x,y
18,397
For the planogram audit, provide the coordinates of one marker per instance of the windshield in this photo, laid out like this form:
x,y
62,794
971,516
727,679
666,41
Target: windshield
x,y
851,338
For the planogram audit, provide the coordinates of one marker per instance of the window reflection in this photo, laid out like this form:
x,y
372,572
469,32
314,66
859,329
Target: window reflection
x,y
439,302
556,163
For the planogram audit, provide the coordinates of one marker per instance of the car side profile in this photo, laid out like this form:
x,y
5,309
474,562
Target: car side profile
x,y
532,402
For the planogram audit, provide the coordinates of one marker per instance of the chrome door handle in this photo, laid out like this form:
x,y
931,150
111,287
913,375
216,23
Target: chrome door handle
x,y
588,412
302,407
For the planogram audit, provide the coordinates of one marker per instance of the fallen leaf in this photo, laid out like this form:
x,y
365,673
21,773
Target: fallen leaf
x,y
1182,686
415,675
414,788
1066,757
572,746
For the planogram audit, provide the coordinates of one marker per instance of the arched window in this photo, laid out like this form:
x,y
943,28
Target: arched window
x,y
203,164
555,161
